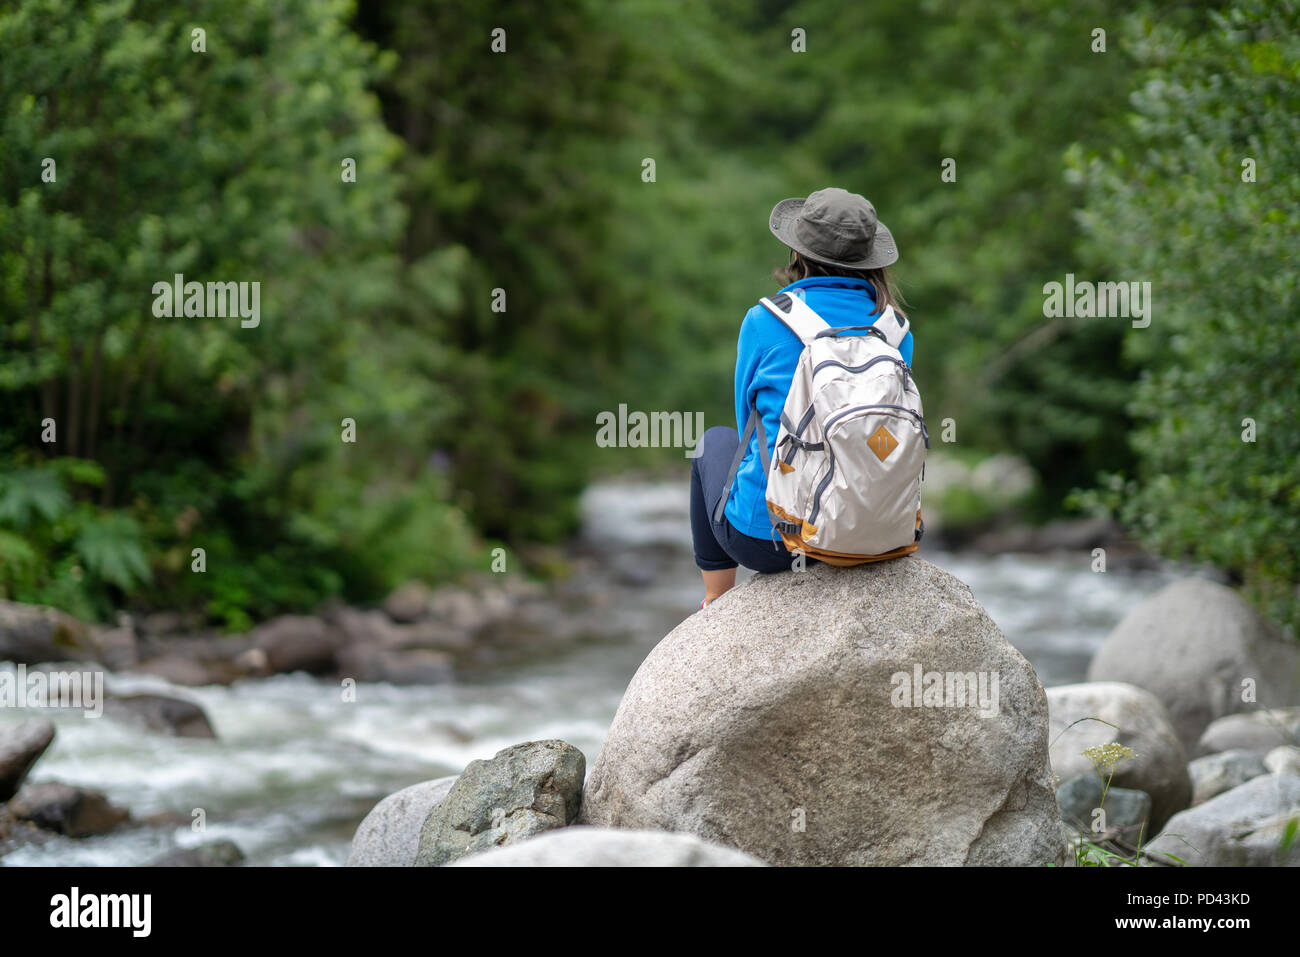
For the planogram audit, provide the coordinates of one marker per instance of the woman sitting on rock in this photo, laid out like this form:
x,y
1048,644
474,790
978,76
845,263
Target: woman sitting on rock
x,y
839,252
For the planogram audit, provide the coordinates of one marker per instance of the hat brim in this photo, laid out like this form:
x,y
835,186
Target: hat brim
x,y
884,251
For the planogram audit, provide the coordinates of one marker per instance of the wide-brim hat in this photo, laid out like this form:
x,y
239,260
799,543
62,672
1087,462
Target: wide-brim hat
x,y
836,228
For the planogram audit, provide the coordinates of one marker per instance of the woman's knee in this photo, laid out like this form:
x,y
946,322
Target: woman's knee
x,y
719,436
718,441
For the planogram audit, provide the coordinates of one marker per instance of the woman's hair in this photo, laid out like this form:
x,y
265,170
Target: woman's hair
x,y
883,287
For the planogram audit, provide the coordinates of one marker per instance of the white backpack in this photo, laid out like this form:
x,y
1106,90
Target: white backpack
x,y
845,485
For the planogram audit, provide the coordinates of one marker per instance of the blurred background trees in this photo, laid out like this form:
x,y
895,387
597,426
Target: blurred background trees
x,y
1204,199
522,172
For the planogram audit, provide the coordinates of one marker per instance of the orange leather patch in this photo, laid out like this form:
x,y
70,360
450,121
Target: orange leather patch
x,y
785,467
882,442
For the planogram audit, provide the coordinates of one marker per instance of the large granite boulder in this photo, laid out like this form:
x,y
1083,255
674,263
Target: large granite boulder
x,y
837,716
1198,647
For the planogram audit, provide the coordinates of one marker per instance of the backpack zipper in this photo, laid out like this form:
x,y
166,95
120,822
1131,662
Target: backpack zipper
x,y
826,429
821,487
862,368
808,416
861,408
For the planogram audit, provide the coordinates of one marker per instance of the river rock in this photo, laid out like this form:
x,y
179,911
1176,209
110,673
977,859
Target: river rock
x,y
523,790
1142,724
609,847
297,643
408,603
1284,760
375,629
209,854
366,627
35,634
1062,535
1192,645
1259,731
465,609
418,666
434,635
1127,811
174,716
1216,773
389,835
68,810
1243,827
16,833
774,721
21,746
119,647
178,669
159,624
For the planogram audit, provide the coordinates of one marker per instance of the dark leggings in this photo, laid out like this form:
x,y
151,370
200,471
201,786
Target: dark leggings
x,y
719,545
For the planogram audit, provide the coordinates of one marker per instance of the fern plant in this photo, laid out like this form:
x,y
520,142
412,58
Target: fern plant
x,y
58,550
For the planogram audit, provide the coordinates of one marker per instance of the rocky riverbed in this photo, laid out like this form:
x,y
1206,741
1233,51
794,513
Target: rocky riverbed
x,y
293,763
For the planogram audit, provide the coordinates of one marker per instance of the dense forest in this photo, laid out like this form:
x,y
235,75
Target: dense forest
x,y
475,227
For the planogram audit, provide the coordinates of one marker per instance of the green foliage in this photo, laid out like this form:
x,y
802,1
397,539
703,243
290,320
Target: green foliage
x,y
222,166
58,550
522,172
1219,251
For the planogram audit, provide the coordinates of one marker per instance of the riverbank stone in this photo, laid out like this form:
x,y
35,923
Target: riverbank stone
x,y
1127,812
1204,652
522,791
1259,731
208,854
1244,827
21,746
65,809
1215,773
389,835
164,714
36,634
408,603
297,643
1093,714
1283,760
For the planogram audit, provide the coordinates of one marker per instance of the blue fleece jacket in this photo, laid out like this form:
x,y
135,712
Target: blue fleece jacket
x,y
766,356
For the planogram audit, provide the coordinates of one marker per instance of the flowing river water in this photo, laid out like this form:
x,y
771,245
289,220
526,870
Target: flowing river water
x,y
294,768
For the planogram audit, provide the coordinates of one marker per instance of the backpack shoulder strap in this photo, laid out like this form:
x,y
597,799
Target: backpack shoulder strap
x,y
893,325
755,423
800,319
797,315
